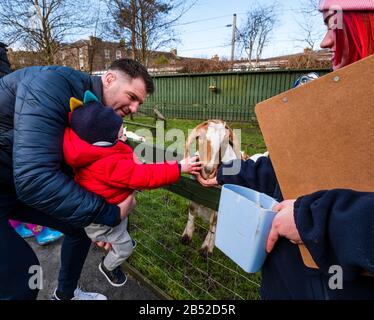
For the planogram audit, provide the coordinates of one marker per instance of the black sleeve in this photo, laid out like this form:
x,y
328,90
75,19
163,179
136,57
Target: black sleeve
x,y
337,227
258,175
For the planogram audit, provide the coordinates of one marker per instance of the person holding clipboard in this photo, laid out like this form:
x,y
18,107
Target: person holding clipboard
x,y
337,225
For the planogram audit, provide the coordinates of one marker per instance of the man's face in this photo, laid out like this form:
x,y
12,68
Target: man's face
x,y
123,94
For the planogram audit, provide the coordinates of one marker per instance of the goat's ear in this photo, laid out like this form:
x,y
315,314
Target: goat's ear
x,y
190,140
235,143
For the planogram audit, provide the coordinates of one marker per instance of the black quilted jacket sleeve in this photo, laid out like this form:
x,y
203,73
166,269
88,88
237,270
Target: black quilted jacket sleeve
x,y
41,114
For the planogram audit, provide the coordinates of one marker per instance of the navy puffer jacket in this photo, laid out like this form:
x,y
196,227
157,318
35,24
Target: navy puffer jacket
x,y
34,107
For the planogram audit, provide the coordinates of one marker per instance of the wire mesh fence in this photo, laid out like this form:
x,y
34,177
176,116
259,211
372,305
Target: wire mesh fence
x,y
177,269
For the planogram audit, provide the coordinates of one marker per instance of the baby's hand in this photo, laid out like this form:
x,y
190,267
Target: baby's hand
x,y
189,165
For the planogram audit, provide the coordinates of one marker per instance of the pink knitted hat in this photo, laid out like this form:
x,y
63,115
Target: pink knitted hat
x,y
347,5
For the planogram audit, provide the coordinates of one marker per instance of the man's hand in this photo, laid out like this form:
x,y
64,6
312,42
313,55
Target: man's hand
x,y
127,206
283,225
189,165
106,245
206,183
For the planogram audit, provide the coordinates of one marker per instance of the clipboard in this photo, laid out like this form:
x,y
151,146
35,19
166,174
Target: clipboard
x,y
321,135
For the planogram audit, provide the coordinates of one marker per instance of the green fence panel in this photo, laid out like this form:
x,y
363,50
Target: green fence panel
x,y
189,96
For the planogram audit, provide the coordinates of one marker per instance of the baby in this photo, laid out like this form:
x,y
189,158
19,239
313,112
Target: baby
x,y
94,146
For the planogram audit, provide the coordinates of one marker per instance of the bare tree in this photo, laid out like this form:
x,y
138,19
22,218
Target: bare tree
x,y
309,22
310,6
41,25
254,34
147,24
94,39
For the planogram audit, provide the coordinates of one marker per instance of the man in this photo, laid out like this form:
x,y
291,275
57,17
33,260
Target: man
x,y
4,63
36,186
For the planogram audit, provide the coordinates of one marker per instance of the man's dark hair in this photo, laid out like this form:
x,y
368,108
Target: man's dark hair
x,y
134,70
4,62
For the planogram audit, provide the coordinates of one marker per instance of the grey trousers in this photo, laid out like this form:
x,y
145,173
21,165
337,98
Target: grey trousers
x,y
118,237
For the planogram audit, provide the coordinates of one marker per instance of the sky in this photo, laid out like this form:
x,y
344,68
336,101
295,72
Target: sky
x,y
202,30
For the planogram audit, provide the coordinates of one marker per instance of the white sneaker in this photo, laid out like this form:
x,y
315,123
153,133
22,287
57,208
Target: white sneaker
x,y
82,295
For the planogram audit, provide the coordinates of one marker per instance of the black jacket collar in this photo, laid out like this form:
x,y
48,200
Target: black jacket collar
x,y
97,87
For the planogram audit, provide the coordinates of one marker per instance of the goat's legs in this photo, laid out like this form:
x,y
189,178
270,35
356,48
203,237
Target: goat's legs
x,y
190,227
209,242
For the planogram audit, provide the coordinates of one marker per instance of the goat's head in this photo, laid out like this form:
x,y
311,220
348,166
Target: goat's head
x,y
216,143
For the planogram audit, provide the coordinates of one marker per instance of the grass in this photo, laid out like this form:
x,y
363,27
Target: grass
x,y
179,270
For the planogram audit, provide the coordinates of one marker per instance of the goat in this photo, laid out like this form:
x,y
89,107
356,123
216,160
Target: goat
x,y
216,143
133,135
